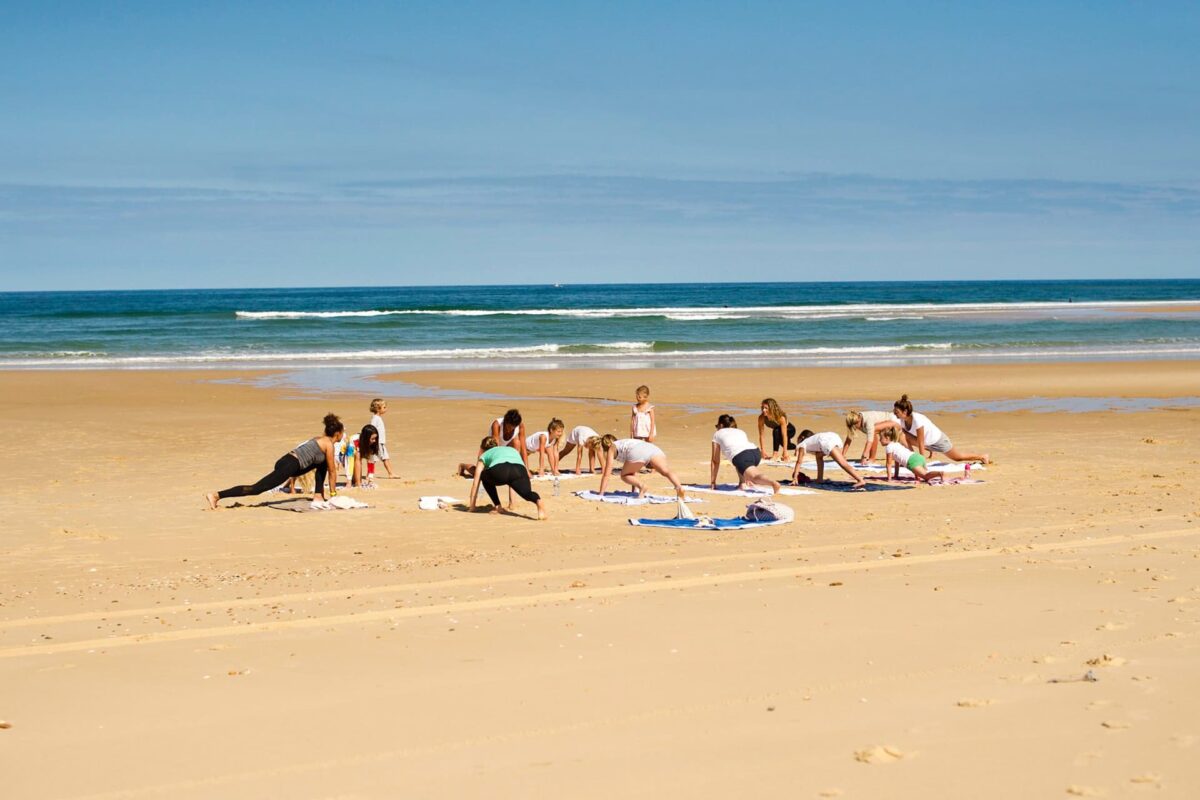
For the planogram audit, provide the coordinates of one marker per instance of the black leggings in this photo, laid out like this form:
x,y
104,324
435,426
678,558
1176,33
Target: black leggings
x,y
777,437
513,475
288,466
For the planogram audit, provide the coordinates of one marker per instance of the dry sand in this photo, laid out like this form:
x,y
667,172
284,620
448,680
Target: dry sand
x,y
909,644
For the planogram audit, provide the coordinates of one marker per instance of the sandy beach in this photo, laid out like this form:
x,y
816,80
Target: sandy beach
x,y
1036,634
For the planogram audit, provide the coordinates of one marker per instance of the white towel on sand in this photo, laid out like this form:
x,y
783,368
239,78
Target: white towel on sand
x,y
732,490
630,499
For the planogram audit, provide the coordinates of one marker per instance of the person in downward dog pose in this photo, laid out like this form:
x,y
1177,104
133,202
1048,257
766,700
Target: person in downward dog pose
x,y
871,423
545,444
926,438
731,443
633,455
318,453
577,440
897,456
641,422
782,431
821,445
500,465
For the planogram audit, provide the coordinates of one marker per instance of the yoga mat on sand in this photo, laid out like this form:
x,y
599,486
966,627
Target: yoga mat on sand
x,y
847,486
909,480
631,499
731,524
732,490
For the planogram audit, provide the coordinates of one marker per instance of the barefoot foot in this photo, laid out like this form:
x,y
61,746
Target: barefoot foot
x,y
211,498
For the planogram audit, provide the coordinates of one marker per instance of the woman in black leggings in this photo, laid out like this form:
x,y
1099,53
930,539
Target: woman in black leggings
x,y
503,466
782,431
315,454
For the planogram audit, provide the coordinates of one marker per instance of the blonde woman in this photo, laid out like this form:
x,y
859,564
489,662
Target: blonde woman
x,y
872,423
782,431
633,455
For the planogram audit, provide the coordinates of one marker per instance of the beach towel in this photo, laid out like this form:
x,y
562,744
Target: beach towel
x,y
631,499
303,506
847,486
705,523
434,502
566,475
732,490
911,480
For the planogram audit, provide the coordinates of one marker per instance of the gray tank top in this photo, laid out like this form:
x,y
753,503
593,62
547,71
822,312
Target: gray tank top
x,y
309,454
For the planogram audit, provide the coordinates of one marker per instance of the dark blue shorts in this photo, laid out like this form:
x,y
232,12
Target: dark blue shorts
x,y
746,459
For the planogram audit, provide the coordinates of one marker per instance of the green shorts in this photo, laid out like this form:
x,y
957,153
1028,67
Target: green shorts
x,y
915,460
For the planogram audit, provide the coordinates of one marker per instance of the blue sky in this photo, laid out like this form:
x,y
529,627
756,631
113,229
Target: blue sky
x,y
167,145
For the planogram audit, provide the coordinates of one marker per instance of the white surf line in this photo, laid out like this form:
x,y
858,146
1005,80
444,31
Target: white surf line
x,y
570,595
567,572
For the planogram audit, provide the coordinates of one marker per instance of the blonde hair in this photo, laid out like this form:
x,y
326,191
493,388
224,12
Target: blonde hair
x,y
774,412
488,443
642,391
598,445
888,434
853,420
377,404
555,423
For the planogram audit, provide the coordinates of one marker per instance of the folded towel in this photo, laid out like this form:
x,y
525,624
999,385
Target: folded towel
x,y
434,502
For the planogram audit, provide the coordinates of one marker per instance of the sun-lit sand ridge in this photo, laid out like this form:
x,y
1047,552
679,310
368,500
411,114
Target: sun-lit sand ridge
x,y
922,643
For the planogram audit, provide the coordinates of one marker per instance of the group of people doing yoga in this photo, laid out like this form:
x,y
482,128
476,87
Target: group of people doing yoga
x,y
505,454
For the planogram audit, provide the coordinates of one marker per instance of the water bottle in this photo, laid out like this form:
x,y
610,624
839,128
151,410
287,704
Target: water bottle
x,y
967,472
556,486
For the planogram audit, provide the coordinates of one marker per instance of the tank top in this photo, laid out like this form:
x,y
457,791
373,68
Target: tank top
x,y
534,442
642,425
499,421
309,454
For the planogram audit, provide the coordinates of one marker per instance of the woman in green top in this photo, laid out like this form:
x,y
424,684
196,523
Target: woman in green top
x,y
503,466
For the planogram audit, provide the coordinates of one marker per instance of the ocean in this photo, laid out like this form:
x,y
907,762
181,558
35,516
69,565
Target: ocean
x,y
610,326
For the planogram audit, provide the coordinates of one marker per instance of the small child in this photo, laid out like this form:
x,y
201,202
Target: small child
x,y
821,445
870,423
545,444
641,422
378,409
897,455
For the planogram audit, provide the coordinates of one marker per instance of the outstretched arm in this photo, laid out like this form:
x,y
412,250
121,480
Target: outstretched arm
x,y
475,484
605,471
716,465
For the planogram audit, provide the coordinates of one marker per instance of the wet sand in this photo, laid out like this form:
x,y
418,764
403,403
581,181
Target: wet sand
x,y
924,642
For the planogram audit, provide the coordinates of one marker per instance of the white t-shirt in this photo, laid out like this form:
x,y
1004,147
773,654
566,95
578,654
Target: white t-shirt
x,y
580,434
823,443
899,453
870,420
636,450
933,433
534,441
731,441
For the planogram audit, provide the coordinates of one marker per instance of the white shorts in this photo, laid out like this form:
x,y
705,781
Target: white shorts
x,y
643,452
942,445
